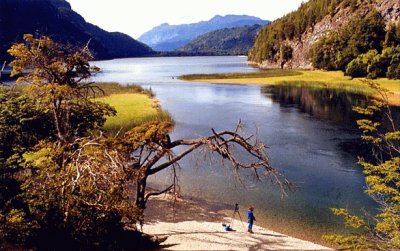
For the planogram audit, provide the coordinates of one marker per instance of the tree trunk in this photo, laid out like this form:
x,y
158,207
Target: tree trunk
x,y
140,193
282,64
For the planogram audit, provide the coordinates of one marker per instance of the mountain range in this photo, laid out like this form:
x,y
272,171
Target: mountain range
x,y
228,41
56,19
170,37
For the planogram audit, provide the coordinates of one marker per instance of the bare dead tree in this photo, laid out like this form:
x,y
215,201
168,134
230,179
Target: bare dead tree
x,y
156,152
111,173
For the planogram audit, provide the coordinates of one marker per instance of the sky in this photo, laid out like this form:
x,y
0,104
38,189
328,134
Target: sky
x,y
135,17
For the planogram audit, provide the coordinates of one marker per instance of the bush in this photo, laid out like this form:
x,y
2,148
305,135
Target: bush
x,y
394,72
356,69
337,49
393,55
359,67
373,65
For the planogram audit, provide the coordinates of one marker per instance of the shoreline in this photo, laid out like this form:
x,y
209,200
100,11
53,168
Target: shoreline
x,y
195,224
334,80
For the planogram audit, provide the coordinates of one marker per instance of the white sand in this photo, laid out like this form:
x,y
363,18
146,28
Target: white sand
x,y
194,225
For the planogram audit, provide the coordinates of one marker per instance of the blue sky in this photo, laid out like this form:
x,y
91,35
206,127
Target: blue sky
x,y
136,17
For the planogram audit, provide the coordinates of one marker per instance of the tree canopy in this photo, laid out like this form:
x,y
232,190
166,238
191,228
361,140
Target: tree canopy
x,y
362,48
270,39
66,180
381,231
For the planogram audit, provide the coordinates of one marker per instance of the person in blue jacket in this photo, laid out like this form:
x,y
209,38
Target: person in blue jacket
x,y
250,219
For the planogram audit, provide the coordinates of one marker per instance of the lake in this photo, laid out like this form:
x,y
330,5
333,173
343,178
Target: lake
x,y
311,135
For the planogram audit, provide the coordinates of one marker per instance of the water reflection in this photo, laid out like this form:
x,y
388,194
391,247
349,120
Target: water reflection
x,y
294,123
332,105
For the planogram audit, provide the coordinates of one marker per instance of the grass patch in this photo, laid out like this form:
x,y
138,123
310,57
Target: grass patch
x,y
135,106
315,79
262,74
109,88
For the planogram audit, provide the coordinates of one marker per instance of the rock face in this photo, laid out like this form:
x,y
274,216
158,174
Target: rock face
x,y
56,19
228,41
170,37
389,9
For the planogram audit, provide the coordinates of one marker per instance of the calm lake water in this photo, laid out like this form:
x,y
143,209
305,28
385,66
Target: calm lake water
x,y
311,135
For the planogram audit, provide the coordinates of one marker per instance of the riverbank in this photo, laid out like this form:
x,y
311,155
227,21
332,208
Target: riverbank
x,y
313,79
192,224
134,106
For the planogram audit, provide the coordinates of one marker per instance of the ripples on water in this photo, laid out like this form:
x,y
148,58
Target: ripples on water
x,y
312,138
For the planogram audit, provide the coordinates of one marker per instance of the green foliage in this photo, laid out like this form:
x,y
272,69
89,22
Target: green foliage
x,y
58,180
358,67
286,53
337,49
394,71
374,65
361,49
55,78
262,74
148,133
22,125
383,180
228,41
350,220
352,242
105,89
392,37
86,196
291,26
392,56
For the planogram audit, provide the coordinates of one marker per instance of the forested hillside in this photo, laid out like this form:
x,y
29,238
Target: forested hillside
x,y
329,34
228,41
170,37
56,19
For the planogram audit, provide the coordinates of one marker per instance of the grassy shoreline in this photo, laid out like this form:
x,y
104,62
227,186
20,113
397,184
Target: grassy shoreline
x,y
134,106
315,79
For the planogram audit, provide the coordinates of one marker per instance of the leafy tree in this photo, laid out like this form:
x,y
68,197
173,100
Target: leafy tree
x,y
337,49
286,54
74,181
324,51
291,26
358,67
56,77
374,65
394,71
392,37
22,125
393,56
381,232
56,111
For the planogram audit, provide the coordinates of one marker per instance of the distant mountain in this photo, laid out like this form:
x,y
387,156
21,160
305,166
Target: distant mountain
x,y
228,41
56,19
170,37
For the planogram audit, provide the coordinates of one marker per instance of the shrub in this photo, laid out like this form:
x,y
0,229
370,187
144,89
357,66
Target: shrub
x,y
359,66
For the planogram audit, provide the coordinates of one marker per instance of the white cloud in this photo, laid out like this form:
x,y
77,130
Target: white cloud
x,y
136,17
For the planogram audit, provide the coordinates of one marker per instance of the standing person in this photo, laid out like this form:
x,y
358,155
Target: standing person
x,y
250,219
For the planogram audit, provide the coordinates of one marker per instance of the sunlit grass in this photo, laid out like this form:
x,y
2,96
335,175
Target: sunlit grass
x,y
134,107
262,74
109,88
316,79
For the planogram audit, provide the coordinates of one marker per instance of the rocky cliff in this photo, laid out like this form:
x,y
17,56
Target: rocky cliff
x,y
340,15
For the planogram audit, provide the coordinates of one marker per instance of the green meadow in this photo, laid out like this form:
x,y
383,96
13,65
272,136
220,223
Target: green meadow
x,y
315,79
134,106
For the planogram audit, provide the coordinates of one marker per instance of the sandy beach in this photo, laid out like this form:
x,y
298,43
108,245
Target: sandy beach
x,y
197,225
